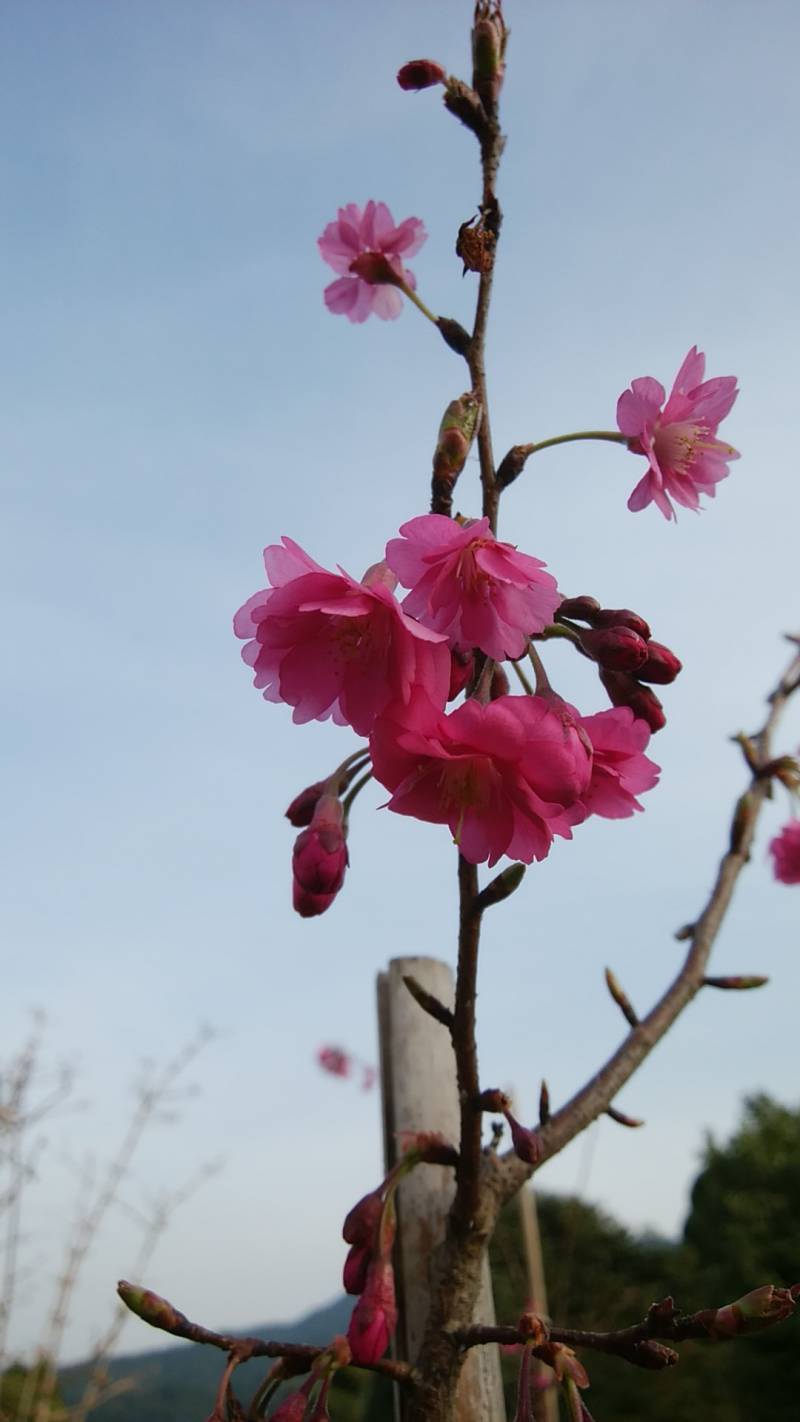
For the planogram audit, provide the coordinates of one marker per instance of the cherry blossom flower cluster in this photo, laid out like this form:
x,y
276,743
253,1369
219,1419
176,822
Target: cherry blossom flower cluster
x,y
676,435
506,773
337,1062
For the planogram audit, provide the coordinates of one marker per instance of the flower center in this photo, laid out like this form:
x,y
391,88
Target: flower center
x,y
676,444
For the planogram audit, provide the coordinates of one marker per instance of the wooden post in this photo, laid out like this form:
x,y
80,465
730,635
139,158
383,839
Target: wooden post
x,y
419,1093
545,1404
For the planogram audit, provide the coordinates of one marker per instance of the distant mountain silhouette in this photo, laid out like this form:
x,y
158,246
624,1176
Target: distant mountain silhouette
x,y
178,1384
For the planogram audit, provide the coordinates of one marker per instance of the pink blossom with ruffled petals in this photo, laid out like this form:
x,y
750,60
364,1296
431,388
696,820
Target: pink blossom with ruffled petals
x,y
785,851
506,777
679,438
620,769
480,592
373,230
374,1317
331,646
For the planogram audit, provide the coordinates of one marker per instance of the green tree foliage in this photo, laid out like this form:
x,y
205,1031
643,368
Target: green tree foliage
x,y
26,1392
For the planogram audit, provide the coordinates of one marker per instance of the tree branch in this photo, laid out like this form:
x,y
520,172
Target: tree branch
x,y
160,1314
598,1093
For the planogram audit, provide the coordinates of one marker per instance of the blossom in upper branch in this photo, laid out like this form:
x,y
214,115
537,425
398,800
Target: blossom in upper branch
x,y
480,592
785,851
679,438
506,777
371,232
620,769
331,646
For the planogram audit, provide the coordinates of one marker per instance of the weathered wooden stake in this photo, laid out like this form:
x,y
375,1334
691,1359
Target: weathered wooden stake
x,y
419,1093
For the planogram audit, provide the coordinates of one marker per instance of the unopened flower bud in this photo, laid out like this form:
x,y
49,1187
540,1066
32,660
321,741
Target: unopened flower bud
x,y
624,690
320,857
462,666
150,1307
356,1265
750,1314
293,1408
622,617
420,74
456,433
661,667
494,1100
309,905
527,1144
489,35
375,268
583,608
454,335
615,648
374,1317
303,805
512,464
361,1223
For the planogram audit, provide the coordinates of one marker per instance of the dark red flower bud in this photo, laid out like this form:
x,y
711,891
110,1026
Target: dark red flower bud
x,y
309,905
625,690
361,1223
527,1144
662,666
420,74
356,1265
584,608
303,805
374,1317
462,665
320,858
615,648
622,617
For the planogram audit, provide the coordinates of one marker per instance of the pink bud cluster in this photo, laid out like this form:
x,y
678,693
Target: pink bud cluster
x,y
619,641
369,1229
506,773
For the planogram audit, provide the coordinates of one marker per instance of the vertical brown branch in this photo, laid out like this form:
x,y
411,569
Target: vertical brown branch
x,y
491,149
465,1048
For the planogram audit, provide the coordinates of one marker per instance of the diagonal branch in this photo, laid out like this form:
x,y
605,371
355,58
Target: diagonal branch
x,y
598,1093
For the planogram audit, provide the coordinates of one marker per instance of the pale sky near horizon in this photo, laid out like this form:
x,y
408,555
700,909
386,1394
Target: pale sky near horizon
x,y
176,397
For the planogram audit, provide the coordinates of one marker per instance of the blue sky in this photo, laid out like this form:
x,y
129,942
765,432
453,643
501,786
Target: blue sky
x,y
176,397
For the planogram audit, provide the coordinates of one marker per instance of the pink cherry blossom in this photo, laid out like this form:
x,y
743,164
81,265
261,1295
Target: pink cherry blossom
x,y
785,851
320,858
372,231
678,438
480,592
620,769
505,777
331,646
334,1060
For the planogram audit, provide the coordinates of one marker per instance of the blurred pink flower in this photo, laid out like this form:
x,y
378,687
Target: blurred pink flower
x,y
678,438
785,851
331,646
372,231
505,777
463,582
620,770
334,1060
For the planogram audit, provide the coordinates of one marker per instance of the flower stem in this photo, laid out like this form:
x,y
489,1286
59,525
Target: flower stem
x,y
613,435
420,305
359,785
